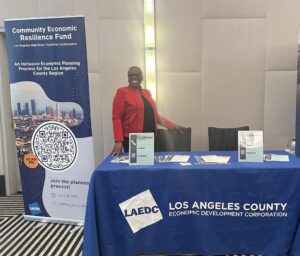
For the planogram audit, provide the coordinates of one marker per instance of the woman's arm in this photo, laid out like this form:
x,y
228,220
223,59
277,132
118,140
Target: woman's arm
x,y
169,124
165,122
117,117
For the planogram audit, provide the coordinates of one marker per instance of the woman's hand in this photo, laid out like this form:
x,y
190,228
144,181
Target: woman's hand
x,y
179,128
117,149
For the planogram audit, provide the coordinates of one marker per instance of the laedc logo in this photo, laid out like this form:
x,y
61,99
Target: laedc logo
x,y
141,211
34,208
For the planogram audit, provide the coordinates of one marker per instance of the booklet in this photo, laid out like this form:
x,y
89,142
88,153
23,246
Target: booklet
x,y
250,146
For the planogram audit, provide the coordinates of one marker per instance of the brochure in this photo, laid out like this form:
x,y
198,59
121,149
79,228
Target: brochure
x,y
141,148
250,146
120,159
173,158
275,157
212,159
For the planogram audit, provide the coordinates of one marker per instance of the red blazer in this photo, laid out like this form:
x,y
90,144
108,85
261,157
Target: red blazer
x,y
128,112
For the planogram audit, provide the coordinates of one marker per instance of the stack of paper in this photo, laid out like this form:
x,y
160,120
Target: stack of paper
x,y
214,159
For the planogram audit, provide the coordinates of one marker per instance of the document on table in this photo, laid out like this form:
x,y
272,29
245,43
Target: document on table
x,y
173,158
213,159
120,159
275,157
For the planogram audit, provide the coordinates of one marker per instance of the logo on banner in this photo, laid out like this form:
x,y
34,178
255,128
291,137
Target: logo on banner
x,y
141,211
31,161
55,146
34,208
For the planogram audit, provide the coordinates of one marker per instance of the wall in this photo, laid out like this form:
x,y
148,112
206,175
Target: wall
x,y
1,148
2,145
2,132
8,160
220,62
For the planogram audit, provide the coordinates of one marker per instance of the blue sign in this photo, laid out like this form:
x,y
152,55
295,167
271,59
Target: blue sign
x,y
35,208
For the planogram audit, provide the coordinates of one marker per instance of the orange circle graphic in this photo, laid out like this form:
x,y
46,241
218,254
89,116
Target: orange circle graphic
x,y
31,161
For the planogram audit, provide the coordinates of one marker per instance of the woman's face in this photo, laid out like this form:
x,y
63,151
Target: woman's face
x,y
135,76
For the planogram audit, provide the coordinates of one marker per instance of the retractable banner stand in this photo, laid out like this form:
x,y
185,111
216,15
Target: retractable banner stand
x,y
51,115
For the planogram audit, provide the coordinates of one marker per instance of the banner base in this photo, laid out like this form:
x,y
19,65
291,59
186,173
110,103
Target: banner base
x,y
53,220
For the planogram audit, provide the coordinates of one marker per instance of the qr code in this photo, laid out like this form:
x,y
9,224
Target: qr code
x,y
55,146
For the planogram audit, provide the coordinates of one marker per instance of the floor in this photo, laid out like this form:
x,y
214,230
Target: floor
x,y
19,237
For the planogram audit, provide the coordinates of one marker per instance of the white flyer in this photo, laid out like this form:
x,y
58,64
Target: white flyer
x,y
250,146
141,148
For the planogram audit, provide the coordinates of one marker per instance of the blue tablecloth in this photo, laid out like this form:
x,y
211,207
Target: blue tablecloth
x,y
207,209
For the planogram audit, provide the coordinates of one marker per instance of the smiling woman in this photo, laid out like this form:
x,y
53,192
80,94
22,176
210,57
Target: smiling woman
x,y
134,111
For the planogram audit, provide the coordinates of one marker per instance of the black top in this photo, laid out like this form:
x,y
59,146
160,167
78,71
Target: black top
x,y
149,121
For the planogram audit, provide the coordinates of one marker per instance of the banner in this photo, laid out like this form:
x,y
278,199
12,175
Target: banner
x,y
51,114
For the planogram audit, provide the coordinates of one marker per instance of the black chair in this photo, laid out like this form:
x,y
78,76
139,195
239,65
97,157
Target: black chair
x,y
224,139
173,140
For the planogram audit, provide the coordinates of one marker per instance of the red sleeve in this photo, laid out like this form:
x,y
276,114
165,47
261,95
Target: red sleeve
x,y
165,122
117,115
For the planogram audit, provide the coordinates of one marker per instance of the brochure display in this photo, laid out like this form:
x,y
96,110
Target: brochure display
x,y
250,146
51,115
141,148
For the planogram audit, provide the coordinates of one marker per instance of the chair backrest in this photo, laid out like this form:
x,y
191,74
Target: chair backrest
x,y
173,140
224,139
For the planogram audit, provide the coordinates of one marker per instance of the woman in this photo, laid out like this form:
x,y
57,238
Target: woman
x,y
135,111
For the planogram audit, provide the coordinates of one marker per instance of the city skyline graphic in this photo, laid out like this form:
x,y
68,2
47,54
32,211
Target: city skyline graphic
x,y
31,107
24,103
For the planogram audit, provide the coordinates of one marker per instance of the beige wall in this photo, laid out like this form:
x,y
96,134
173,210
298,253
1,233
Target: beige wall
x,y
220,62
8,160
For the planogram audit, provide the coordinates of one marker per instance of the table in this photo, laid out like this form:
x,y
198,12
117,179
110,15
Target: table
x,y
206,209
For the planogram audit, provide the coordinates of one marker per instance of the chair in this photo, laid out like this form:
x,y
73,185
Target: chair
x,y
173,140
224,139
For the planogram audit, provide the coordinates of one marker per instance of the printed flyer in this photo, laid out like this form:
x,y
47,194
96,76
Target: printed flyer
x,y
250,146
